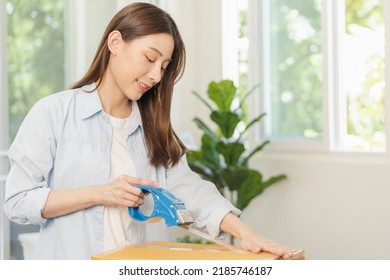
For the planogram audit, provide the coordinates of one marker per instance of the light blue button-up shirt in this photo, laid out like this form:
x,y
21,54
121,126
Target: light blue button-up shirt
x,y
64,142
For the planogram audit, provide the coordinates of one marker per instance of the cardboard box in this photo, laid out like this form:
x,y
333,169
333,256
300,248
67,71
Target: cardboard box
x,y
183,251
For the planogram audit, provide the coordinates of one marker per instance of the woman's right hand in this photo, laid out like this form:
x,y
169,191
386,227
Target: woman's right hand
x,y
119,192
122,191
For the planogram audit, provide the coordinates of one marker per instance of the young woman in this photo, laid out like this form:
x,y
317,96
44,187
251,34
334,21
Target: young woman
x,y
80,153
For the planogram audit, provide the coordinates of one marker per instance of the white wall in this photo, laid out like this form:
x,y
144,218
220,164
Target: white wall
x,y
333,206
88,20
199,24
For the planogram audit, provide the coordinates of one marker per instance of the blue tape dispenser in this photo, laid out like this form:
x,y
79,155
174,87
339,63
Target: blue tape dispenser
x,y
166,206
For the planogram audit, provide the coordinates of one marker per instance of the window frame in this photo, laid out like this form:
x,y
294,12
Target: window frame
x,y
386,14
3,78
333,99
229,40
4,222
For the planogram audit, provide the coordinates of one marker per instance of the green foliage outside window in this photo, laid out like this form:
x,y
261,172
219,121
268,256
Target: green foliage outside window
x,y
296,71
295,68
365,100
36,54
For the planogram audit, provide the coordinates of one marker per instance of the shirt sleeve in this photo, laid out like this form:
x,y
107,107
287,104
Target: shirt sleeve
x,y
206,204
31,158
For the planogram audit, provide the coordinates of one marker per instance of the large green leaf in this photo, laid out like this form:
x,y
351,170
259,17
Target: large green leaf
x,y
274,180
231,152
194,156
234,176
249,188
201,169
222,93
226,121
207,173
209,152
253,186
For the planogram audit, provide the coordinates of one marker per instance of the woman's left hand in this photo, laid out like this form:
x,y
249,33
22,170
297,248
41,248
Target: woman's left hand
x,y
256,244
250,241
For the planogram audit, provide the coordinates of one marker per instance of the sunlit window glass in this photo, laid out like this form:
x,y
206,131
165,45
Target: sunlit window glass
x,y
36,54
363,72
295,70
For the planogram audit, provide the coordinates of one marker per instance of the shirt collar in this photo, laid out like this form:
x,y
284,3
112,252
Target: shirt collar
x,y
91,103
136,120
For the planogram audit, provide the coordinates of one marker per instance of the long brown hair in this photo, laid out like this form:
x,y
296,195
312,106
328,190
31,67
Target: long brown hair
x,y
133,21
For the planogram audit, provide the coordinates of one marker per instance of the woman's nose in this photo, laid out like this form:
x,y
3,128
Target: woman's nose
x,y
155,73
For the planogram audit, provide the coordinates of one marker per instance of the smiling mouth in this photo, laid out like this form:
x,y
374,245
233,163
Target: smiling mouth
x,y
142,86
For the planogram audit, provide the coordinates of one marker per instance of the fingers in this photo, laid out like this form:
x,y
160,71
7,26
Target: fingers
x,y
130,199
125,193
258,244
134,181
135,196
129,195
278,249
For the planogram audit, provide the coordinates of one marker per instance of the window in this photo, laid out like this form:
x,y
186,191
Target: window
x,y
4,223
321,69
36,54
294,69
35,65
362,69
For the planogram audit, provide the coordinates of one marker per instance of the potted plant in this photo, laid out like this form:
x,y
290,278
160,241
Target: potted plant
x,y
223,157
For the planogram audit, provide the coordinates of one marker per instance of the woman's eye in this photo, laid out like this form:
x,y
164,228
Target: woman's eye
x,y
149,60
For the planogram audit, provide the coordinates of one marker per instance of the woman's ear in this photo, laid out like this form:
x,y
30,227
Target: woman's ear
x,y
113,41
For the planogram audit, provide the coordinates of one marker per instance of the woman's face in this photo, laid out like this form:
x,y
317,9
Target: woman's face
x,y
139,64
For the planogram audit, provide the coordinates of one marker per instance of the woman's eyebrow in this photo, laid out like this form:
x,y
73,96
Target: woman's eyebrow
x,y
158,52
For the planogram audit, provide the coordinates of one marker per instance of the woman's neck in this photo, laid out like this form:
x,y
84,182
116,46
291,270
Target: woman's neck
x,y
114,102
